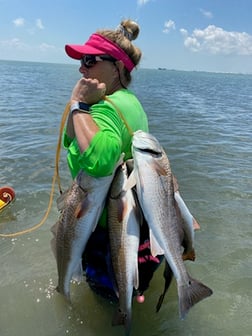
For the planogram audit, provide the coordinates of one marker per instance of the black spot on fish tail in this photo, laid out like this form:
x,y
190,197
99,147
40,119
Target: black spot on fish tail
x,y
191,294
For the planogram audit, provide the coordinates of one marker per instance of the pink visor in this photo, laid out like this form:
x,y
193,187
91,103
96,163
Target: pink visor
x,y
99,45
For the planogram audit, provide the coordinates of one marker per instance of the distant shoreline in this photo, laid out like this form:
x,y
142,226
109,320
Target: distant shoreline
x,y
139,68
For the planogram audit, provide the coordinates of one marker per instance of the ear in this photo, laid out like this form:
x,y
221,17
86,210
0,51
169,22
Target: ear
x,y
120,66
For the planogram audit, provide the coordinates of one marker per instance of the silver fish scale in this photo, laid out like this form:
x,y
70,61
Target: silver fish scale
x,y
124,235
156,195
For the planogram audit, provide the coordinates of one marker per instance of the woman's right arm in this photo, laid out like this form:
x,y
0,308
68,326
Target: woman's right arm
x,y
70,127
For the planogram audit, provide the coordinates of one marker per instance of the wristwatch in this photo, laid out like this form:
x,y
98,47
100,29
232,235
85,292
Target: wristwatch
x,y
82,107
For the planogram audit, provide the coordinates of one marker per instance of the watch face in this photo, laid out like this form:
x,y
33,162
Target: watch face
x,y
84,106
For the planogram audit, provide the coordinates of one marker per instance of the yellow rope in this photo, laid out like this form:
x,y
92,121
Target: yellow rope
x,y
120,115
55,177
57,158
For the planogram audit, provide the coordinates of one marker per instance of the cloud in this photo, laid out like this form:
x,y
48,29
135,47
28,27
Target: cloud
x,y
39,24
207,14
218,41
142,2
168,26
16,43
12,43
15,48
19,22
184,32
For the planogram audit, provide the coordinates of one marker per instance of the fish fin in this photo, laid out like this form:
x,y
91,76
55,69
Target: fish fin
x,y
53,247
54,228
136,277
78,212
160,301
130,165
175,183
53,240
188,252
61,200
168,275
190,255
131,181
78,273
191,294
186,220
196,225
185,212
137,208
154,246
81,208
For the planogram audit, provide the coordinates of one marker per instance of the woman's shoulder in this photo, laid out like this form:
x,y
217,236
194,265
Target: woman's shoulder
x,y
121,94
125,98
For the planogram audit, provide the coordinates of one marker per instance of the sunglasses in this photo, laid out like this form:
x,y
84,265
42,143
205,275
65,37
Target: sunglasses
x,y
89,61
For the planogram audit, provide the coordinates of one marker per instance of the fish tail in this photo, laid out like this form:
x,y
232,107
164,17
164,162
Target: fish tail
x,y
191,294
66,294
122,318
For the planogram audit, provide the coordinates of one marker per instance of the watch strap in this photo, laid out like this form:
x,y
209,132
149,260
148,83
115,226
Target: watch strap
x,y
80,106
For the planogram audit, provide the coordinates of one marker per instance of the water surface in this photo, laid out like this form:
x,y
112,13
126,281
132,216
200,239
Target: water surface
x,y
204,122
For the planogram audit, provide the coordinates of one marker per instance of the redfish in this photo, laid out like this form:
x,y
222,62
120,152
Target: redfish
x,y
124,221
155,191
81,208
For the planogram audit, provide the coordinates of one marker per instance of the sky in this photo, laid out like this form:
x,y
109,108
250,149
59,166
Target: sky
x,y
198,35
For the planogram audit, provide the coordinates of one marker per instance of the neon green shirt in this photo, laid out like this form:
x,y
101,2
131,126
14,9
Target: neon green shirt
x,y
113,138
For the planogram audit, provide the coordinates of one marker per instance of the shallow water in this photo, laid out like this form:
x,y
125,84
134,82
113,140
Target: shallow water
x,y
204,122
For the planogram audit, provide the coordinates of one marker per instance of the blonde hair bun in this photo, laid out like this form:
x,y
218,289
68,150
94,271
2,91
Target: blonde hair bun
x,y
130,29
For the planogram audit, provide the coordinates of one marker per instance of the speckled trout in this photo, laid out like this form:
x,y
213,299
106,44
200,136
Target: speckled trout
x,y
155,191
124,221
81,208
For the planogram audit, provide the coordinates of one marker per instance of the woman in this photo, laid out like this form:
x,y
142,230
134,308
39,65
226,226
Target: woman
x,y
97,132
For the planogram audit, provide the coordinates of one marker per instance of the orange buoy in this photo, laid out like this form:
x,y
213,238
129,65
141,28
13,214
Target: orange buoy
x,y
7,195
